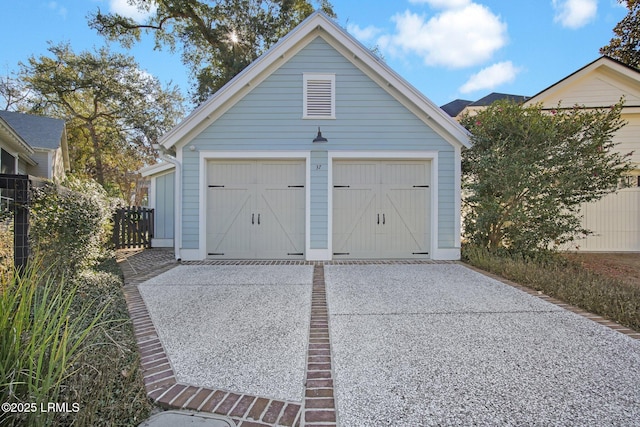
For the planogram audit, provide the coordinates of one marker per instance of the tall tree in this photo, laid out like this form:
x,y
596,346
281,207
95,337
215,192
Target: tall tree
x,y
218,38
13,93
114,111
529,170
625,45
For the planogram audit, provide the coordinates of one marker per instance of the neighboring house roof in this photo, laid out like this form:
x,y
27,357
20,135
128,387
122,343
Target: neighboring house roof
x,y
12,138
38,131
609,77
317,24
156,169
599,85
459,107
495,96
455,107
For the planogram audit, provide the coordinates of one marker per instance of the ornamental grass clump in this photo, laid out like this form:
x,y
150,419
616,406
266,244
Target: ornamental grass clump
x,y
41,337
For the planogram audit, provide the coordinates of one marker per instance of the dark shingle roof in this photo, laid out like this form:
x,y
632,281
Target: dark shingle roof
x,y
37,131
455,107
494,96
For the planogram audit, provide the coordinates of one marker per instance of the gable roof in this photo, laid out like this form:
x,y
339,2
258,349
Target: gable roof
x,y
604,62
38,131
455,107
317,24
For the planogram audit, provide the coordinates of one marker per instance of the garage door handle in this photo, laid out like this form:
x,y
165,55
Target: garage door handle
x,y
252,219
383,220
258,219
378,218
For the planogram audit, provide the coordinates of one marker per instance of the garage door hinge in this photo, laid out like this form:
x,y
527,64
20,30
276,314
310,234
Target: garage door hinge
x,y
295,253
216,186
296,186
420,186
216,253
342,253
341,186
420,253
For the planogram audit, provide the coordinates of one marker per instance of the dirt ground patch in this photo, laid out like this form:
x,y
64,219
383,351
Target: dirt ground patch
x,y
623,266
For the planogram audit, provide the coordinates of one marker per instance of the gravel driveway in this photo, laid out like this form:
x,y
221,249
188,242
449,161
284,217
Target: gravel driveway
x,y
235,328
419,345
411,345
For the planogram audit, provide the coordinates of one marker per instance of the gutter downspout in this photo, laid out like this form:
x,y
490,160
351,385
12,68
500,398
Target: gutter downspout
x,y
177,238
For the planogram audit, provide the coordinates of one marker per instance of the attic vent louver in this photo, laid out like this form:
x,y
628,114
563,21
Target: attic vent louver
x,y
319,96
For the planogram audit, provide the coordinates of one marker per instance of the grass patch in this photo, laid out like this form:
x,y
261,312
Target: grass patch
x,y
566,280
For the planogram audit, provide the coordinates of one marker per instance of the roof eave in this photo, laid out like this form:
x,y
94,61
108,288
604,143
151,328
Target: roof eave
x,y
156,169
15,137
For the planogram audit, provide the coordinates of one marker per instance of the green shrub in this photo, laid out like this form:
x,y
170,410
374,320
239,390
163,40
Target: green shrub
x,y
70,227
563,279
40,340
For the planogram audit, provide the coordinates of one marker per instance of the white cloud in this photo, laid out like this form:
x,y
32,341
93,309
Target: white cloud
x,y
491,77
60,10
122,7
574,13
363,34
443,4
454,38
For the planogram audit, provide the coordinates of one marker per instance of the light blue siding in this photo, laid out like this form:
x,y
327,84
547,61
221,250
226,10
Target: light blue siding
x,y
319,212
269,117
164,206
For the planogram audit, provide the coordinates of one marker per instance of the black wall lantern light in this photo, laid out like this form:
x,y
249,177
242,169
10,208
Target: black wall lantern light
x,y
320,138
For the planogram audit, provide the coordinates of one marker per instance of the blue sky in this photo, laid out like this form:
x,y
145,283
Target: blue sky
x,y
447,49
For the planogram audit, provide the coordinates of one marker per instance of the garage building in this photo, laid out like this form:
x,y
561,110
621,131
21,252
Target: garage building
x,y
316,151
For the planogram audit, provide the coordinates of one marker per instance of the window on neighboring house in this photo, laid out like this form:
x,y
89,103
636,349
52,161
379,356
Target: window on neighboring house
x,y
319,96
8,163
630,181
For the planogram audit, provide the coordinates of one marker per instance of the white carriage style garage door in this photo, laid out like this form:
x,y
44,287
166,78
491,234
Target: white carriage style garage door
x,y
381,209
256,209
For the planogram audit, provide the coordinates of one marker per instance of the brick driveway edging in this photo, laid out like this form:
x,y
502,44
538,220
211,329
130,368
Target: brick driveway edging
x,y
318,408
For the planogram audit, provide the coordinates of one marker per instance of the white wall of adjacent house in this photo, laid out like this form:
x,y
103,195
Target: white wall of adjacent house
x,y
615,219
